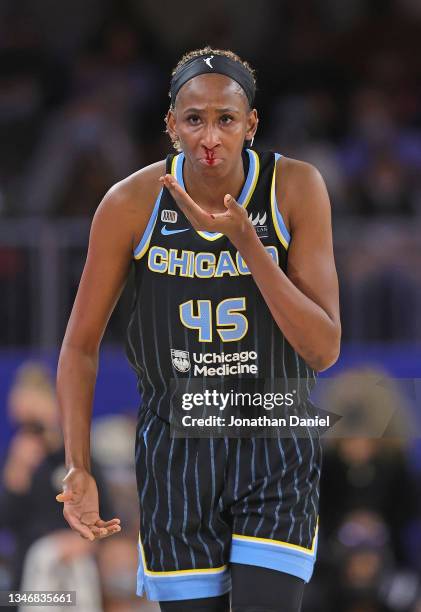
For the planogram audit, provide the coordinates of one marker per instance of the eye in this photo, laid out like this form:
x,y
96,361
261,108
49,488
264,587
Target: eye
x,y
193,119
226,119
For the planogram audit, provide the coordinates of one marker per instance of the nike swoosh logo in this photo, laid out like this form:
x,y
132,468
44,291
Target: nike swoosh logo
x,y
168,232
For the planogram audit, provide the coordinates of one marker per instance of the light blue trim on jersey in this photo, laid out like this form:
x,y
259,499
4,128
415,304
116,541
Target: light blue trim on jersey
x,y
185,586
141,248
179,170
289,560
244,192
279,218
250,177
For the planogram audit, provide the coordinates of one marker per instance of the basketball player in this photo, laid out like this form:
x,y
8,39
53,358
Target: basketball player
x,y
234,269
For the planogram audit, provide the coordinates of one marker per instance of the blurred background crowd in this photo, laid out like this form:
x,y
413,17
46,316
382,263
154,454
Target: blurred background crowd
x,y
83,94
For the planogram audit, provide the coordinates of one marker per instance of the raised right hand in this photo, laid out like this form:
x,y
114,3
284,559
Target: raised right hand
x,y
81,507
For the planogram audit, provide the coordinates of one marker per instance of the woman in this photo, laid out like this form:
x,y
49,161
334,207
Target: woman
x,y
235,278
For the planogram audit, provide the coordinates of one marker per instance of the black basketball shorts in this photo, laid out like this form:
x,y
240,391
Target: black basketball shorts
x,y
206,502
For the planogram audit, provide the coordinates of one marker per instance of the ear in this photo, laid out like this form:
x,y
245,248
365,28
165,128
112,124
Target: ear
x,y
252,123
170,121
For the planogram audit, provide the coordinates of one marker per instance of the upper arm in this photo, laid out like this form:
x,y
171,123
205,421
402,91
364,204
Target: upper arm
x,y
304,201
120,219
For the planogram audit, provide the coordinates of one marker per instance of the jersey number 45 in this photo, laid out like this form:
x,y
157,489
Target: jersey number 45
x,y
230,323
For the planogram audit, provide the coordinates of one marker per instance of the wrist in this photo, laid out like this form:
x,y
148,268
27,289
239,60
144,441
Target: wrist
x,y
76,474
78,459
77,466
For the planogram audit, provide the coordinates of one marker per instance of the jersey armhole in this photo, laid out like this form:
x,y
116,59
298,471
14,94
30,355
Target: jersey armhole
x,y
143,245
278,222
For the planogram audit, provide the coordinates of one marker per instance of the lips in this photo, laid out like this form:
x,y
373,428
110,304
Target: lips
x,y
210,161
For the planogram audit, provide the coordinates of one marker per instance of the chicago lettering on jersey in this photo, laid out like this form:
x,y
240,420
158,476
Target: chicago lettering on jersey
x,y
181,262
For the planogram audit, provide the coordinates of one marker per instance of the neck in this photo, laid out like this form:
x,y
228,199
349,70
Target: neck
x,y
208,190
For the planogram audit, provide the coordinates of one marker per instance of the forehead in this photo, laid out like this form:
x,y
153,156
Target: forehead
x,y
211,90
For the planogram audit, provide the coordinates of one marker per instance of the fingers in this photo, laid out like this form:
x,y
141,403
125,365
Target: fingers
x,y
95,531
229,202
99,533
74,522
66,496
231,205
178,193
70,494
104,529
200,219
101,523
102,532
192,211
106,533
112,526
79,527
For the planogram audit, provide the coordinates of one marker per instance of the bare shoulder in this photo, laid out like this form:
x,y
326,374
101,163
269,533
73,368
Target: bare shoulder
x,y
300,190
128,204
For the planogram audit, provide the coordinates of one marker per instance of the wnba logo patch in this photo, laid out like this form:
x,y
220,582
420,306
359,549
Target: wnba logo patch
x,y
180,360
169,216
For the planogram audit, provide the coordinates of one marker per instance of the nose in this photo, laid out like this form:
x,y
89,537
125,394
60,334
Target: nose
x,y
210,136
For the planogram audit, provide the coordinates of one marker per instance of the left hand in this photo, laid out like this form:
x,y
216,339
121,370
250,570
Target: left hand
x,y
233,223
81,506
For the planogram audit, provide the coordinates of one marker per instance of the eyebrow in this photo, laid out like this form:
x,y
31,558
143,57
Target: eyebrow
x,y
219,110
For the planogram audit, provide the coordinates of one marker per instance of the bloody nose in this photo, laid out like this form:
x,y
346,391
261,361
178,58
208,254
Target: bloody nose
x,y
209,153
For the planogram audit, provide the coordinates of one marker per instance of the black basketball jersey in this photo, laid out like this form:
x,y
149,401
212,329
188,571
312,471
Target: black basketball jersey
x,y
197,312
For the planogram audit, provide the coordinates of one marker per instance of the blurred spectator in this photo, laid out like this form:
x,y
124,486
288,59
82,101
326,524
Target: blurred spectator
x,y
63,561
366,463
89,144
83,151
366,576
65,27
367,474
34,468
226,24
383,189
369,500
32,81
378,153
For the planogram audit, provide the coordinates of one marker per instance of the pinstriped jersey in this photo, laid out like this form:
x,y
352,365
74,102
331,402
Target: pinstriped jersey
x,y
197,311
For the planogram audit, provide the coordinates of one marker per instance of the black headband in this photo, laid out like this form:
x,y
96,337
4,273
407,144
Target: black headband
x,y
213,64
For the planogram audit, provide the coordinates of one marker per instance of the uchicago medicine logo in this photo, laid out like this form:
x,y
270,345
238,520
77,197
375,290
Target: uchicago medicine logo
x,y
215,364
180,360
